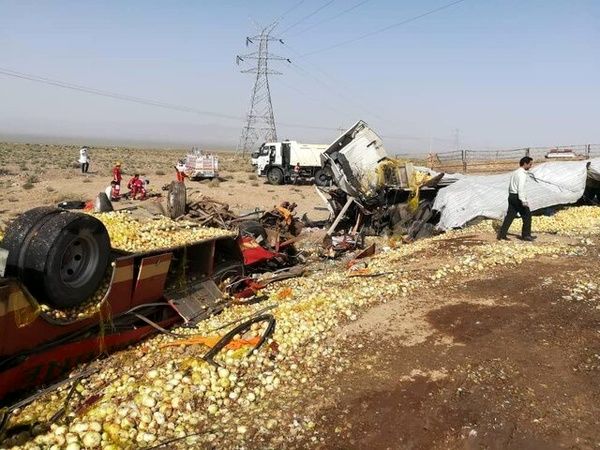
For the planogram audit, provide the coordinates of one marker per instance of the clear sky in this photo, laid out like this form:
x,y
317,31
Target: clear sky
x,y
505,73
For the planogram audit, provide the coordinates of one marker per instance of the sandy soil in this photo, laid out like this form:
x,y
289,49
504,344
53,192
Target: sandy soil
x,y
35,175
498,360
502,358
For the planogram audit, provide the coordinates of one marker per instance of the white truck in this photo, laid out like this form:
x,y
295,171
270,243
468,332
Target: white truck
x,y
199,165
277,161
354,158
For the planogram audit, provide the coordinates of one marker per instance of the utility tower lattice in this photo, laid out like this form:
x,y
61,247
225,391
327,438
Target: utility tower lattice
x,y
260,122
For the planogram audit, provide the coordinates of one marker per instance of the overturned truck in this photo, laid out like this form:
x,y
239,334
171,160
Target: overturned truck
x,y
376,194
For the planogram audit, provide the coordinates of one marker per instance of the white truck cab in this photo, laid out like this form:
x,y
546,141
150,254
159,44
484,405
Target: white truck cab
x,y
278,161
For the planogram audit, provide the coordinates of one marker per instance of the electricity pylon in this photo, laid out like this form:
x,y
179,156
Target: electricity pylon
x,y
260,122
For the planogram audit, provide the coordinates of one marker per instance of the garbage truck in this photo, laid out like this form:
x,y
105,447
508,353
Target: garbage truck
x,y
277,161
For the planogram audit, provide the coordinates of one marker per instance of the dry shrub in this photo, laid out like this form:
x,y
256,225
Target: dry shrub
x,y
214,183
69,196
252,176
27,186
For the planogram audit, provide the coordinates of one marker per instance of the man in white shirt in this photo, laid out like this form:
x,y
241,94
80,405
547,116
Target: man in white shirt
x,y
113,191
84,159
517,201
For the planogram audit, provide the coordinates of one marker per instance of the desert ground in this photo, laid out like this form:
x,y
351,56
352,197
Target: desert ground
x,y
35,175
452,342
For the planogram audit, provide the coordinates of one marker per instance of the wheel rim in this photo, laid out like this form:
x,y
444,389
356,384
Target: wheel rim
x,y
79,260
273,176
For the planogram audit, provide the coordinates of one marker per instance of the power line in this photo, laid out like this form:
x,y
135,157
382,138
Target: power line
x,y
289,10
334,86
384,29
307,16
139,100
331,18
260,121
155,103
123,97
307,95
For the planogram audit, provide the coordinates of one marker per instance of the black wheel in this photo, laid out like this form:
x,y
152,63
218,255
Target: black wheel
x,y
103,203
176,199
254,229
18,232
66,260
275,176
322,177
227,270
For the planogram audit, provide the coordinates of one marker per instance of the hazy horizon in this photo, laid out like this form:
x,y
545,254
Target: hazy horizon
x,y
503,73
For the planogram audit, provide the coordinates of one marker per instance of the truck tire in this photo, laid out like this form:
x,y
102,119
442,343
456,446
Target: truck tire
x,y
176,199
254,229
65,262
323,177
275,176
19,230
103,203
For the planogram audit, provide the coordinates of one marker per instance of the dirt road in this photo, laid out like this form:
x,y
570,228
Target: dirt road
x,y
499,360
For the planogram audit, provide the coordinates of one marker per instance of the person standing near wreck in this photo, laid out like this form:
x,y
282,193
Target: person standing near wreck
x,y
517,202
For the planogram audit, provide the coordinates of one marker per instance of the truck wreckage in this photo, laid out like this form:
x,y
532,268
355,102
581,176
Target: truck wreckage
x,y
374,194
71,292
57,260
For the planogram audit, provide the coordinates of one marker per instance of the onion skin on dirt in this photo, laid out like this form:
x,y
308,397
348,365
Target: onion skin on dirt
x,y
147,395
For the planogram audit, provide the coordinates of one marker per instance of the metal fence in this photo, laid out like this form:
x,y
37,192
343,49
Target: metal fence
x,y
501,160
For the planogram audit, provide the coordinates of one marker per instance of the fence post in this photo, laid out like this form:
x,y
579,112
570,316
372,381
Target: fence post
x,y
588,151
527,151
464,160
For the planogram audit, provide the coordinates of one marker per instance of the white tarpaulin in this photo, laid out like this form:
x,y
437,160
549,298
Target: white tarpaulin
x,y
548,184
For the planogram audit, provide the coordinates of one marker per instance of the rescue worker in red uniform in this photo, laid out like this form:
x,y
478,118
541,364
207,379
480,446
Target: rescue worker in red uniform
x,y
134,185
140,189
180,172
117,175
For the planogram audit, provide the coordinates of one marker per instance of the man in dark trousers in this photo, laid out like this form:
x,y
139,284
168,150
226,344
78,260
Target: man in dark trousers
x,y
517,202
